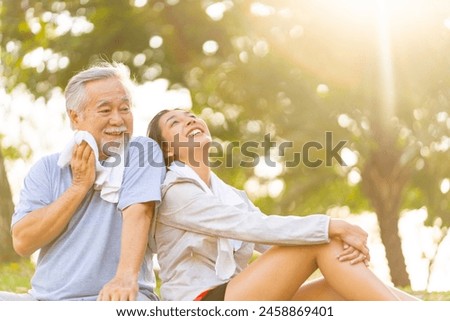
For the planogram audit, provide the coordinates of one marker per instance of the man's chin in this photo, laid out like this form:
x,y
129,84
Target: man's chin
x,y
114,146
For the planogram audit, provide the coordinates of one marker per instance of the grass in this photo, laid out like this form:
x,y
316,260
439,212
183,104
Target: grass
x,y
432,296
15,277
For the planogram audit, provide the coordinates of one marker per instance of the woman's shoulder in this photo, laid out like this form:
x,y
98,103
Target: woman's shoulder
x,y
175,178
178,192
174,181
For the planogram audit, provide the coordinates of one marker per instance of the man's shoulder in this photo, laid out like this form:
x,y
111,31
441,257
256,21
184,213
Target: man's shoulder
x,y
50,160
45,166
143,152
143,144
142,140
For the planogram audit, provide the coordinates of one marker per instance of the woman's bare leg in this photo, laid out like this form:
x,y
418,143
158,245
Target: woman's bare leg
x,y
319,289
275,275
279,273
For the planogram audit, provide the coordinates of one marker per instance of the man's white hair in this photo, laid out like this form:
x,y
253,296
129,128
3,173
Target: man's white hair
x,y
75,92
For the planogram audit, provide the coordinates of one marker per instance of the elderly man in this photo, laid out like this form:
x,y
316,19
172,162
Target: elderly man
x,y
92,238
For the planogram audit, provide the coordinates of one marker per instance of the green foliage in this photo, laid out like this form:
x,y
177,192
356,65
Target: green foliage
x,y
296,70
12,152
16,276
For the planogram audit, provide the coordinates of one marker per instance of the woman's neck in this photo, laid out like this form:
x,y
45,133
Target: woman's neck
x,y
198,161
204,172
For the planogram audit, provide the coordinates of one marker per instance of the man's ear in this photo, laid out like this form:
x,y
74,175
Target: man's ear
x,y
74,118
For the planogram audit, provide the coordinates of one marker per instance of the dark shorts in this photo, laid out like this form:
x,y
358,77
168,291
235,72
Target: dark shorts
x,y
215,294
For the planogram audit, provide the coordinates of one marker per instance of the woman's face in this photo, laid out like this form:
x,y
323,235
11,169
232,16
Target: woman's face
x,y
185,135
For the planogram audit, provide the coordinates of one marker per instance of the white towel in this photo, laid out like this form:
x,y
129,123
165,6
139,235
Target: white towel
x,y
225,263
108,179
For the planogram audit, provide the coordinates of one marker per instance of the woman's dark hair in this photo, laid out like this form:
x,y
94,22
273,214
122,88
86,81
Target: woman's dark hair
x,y
154,132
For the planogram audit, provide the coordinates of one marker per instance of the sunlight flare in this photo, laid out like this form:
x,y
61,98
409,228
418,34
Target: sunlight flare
x,y
386,79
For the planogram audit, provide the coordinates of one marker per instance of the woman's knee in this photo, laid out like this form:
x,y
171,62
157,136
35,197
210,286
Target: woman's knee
x,y
334,245
306,253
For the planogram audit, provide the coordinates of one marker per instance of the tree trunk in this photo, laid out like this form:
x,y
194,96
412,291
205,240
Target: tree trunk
x,y
383,181
7,253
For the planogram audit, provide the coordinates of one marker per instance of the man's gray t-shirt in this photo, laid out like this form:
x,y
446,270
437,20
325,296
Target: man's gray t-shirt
x,y
77,264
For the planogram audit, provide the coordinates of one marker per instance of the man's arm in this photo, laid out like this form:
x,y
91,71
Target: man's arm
x,y
135,229
42,226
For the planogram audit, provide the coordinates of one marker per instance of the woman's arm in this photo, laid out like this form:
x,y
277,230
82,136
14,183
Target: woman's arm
x,y
186,206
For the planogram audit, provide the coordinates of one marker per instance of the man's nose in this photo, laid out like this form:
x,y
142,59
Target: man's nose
x,y
116,118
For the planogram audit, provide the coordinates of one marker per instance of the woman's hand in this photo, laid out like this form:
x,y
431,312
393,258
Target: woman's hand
x,y
351,254
354,239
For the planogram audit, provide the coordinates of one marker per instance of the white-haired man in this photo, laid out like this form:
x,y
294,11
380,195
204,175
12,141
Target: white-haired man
x,y
92,246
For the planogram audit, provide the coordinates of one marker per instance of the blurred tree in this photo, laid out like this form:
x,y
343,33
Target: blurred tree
x,y
293,69
7,253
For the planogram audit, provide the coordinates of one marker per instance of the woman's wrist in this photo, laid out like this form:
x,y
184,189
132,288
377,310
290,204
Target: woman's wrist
x,y
336,228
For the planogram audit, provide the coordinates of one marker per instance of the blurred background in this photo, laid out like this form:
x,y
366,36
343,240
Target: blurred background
x,y
373,73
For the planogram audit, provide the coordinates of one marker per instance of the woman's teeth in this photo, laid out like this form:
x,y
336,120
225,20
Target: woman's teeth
x,y
194,132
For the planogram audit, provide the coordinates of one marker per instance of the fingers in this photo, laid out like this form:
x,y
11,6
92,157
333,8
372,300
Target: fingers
x,y
82,151
367,254
358,259
359,240
100,297
132,296
354,258
83,166
116,296
353,255
362,247
117,290
82,154
354,240
349,254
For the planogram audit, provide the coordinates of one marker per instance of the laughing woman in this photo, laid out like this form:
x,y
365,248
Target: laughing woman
x,y
206,232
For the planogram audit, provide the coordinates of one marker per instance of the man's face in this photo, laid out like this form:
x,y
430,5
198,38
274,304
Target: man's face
x,y
107,114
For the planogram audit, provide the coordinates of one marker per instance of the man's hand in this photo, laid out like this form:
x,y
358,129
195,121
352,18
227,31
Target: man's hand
x,y
119,289
83,166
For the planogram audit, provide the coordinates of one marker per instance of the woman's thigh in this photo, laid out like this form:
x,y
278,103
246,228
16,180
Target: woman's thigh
x,y
317,290
275,275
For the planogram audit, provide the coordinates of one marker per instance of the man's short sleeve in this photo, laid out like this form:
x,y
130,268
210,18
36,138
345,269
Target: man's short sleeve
x,y
144,173
37,191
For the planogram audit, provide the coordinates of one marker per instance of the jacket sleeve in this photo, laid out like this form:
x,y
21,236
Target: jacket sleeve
x,y
186,206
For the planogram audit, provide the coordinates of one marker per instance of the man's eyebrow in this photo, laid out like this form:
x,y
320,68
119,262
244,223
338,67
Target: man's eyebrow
x,y
105,102
102,103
